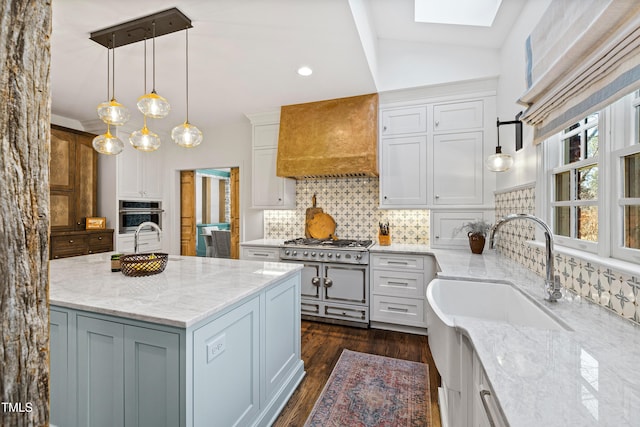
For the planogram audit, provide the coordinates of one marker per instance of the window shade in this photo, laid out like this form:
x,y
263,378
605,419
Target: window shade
x,y
582,55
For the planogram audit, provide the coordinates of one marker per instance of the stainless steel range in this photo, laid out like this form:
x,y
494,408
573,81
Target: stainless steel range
x,y
335,279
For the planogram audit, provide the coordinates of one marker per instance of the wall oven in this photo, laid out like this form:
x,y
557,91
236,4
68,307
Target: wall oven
x,y
133,213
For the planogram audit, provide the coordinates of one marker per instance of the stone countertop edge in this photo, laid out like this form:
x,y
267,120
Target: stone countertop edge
x,y
587,376
189,290
263,242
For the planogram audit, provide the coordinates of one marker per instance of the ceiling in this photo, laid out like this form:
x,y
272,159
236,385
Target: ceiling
x,y
243,54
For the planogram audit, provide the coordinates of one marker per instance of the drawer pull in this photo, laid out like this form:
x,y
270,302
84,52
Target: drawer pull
x,y
398,262
260,254
398,309
483,394
391,282
70,241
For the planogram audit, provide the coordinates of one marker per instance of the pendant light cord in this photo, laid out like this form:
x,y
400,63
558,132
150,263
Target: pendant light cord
x,y
113,64
187,69
153,29
108,74
145,66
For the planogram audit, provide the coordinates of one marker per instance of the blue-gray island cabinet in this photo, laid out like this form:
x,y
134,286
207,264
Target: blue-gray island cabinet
x,y
207,342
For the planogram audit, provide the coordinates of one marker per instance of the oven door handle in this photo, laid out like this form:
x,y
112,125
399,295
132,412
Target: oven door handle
x,y
315,281
328,282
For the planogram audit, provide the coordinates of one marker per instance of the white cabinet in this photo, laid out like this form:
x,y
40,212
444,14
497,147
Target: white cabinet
x,y
398,121
260,253
403,179
485,411
139,174
456,116
147,242
457,165
398,289
445,224
268,190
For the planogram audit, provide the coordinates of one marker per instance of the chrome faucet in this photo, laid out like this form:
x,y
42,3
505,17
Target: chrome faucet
x,y
552,285
140,227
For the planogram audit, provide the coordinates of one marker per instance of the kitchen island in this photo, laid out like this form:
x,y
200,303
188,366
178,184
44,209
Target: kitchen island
x,y
206,342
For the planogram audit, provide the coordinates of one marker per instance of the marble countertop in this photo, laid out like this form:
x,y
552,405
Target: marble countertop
x,y
264,242
589,376
190,289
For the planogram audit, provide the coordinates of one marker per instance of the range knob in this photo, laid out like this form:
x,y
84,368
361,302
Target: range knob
x,y
294,253
337,255
329,254
305,253
313,254
287,252
358,256
321,254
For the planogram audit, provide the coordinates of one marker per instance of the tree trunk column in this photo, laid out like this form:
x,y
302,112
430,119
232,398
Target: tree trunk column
x,y
25,55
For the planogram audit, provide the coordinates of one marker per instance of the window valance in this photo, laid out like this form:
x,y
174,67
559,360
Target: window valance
x,y
582,55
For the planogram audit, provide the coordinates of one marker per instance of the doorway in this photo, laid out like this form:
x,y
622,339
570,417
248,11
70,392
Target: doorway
x,y
209,200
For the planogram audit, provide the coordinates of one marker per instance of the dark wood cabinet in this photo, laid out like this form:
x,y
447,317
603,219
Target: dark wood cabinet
x,y
73,243
73,179
73,185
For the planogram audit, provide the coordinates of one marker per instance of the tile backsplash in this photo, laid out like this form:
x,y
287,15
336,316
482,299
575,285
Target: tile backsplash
x,y
616,291
353,203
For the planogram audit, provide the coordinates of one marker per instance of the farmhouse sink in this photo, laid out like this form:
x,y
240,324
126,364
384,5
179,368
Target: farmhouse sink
x,y
454,301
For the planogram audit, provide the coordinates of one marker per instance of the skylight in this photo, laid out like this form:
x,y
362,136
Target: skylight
x,y
479,13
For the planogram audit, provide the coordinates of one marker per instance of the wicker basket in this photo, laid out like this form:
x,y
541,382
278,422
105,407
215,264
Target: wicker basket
x,y
143,264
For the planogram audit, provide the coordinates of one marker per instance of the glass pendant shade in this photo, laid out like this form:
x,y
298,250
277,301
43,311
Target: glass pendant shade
x,y
113,113
107,144
186,135
499,162
153,105
144,139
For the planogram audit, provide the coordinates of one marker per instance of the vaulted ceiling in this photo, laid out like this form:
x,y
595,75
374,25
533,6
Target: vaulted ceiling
x,y
244,54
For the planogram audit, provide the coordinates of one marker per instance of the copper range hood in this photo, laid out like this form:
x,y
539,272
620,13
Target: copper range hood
x,y
334,138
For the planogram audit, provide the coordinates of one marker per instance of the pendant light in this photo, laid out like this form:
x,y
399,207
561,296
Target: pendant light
x,y
151,104
112,112
107,143
144,139
499,162
186,135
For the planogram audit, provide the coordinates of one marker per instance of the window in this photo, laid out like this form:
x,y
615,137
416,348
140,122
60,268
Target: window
x,y
575,182
593,172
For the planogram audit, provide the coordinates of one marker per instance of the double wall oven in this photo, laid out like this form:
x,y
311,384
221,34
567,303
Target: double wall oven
x,y
335,279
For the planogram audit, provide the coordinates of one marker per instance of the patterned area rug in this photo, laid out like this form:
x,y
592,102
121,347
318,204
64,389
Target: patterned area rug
x,y
365,390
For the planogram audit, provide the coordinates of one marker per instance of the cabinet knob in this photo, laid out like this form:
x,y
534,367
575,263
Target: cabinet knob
x,y
100,238
384,128
437,123
70,241
437,237
385,197
437,196
90,252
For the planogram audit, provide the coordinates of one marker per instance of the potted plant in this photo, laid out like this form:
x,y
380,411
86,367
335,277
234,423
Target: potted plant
x,y
476,232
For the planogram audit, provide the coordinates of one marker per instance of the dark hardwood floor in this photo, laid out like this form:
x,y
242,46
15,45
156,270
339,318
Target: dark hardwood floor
x,y
322,345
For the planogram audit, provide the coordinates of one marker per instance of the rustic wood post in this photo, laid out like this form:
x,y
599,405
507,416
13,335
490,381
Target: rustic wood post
x,y
25,29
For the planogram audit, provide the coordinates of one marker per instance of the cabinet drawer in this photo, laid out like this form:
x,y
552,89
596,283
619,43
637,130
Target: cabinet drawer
x,y
399,283
101,242
65,246
402,311
404,262
261,254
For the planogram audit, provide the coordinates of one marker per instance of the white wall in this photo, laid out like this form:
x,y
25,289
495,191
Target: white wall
x,y
511,85
409,64
223,147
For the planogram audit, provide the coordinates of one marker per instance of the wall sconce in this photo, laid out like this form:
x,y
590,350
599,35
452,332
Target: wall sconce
x,y
500,162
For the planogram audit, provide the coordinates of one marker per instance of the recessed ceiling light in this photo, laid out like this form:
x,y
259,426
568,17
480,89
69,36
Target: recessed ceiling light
x,y
305,71
479,13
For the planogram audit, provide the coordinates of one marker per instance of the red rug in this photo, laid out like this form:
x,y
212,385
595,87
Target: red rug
x,y
365,390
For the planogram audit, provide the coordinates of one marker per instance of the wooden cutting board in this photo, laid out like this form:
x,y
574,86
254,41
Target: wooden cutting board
x,y
322,226
311,212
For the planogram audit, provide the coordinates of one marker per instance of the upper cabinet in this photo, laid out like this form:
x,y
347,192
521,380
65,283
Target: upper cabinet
x,y
73,179
268,190
432,153
139,174
456,116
